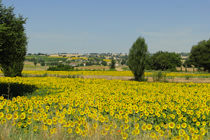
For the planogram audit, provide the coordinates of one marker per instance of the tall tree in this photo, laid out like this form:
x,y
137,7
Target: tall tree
x,y
200,55
13,42
137,58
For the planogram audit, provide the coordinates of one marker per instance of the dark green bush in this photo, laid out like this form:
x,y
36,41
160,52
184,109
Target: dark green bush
x,y
61,67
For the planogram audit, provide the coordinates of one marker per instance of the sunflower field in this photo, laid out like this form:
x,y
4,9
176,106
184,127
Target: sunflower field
x,y
75,108
111,73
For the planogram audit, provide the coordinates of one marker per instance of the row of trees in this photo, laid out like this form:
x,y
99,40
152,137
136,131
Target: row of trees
x,y
163,61
139,59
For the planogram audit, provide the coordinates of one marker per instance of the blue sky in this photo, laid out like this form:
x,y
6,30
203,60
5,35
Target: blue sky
x,y
102,26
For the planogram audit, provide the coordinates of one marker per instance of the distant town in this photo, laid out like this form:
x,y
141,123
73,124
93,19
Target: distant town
x,y
87,59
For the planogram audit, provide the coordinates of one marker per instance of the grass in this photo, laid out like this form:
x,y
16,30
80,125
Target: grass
x,y
126,68
34,68
31,66
112,69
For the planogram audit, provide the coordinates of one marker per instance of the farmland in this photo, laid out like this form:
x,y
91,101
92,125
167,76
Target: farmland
x,y
76,108
94,102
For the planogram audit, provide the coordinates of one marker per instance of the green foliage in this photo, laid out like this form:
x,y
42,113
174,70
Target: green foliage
x,y
104,63
35,62
123,62
187,63
165,61
112,66
200,55
45,60
13,42
112,70
148,62
187,77
42,63
137,58
159,76
89,63
53,63
61,67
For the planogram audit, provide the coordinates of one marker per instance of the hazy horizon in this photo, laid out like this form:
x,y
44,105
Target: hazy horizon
x,y
113,26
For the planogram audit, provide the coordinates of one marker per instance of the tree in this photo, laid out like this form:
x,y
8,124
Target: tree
x,y
112,65
35,62
200,55
165,61
123,62
187,63
104,63
137,58
148,62
42,63
13,42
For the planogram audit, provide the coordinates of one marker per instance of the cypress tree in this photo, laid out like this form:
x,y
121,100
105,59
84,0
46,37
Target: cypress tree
x,y
137,58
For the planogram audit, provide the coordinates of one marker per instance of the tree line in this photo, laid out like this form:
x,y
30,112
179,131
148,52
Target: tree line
x,y
140,59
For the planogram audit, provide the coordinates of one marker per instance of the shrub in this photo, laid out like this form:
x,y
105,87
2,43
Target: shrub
x,y
60,67
42,63
159,76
